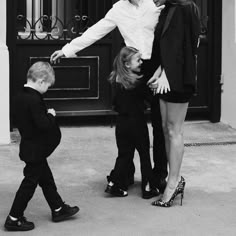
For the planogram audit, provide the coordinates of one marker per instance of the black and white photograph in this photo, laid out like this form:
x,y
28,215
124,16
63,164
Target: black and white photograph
x,y
118,117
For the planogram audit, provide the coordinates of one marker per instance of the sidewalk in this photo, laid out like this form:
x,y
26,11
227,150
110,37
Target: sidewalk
x,y
87,154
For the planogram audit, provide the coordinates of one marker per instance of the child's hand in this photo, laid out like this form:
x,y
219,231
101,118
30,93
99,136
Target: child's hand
x,y
52,111
153,81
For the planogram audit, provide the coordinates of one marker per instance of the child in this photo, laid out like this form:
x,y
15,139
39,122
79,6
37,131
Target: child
x,y
40,135
131,127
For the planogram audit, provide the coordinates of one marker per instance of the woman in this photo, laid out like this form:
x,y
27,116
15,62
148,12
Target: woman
x,y
136,21
174,51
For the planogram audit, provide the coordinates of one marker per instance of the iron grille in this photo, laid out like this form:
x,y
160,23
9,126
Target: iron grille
x,y
57,19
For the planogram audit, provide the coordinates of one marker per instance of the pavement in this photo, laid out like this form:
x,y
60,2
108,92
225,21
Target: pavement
x,y
87,154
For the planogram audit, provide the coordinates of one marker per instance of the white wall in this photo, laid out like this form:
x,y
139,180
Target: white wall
x,y
228,114
4,79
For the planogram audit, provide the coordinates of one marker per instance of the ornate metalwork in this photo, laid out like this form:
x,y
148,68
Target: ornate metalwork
x,y
51,27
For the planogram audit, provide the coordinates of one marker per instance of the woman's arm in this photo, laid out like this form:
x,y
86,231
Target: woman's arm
x,y
90,36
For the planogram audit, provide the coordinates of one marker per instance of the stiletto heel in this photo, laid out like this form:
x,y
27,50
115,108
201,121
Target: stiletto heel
x,y
178,190
181,199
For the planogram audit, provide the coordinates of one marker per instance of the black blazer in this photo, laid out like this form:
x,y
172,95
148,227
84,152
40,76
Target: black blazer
x,y
176,48
40,134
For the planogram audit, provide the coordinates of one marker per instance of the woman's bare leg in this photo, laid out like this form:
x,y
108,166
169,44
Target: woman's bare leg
x,y
163,109
173,122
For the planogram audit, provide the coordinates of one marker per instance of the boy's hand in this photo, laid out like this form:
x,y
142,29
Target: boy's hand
x,y
52,111
55,57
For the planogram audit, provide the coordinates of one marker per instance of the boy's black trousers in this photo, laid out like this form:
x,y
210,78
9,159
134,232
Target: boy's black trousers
x,y
36,174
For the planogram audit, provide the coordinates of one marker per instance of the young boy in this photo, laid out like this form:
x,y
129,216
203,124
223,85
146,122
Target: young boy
x,y
40,135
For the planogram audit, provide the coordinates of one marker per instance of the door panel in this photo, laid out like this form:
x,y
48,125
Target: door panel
x,y
81,85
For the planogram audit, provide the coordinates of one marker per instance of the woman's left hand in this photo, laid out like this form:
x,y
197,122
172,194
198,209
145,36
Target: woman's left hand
x,y
160,8
163,84
160,85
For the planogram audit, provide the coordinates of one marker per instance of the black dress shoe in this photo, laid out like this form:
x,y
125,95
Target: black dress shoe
x,y
65,212
150,194
21,224
116,191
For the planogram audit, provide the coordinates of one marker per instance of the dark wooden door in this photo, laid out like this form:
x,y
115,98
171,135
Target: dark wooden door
x,y
206,102
36,28
39,27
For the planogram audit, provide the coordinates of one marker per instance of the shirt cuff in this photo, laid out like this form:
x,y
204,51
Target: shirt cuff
x,y
68,51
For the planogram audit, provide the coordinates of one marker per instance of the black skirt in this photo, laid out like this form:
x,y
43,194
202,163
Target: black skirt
x,y
176,97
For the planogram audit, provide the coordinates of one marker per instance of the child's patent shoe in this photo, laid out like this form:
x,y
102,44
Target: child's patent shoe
x,y
116,191
21,224
150,194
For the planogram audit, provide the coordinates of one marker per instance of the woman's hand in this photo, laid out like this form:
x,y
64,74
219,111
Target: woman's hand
x,y
52,111
159,2
159,83
151,82
55,57
159,7
163,84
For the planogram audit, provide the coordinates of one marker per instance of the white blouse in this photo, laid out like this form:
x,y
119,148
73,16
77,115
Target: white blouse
x,y
135,23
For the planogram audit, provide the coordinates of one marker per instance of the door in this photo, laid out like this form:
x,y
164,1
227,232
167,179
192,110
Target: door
x,y
36,28
207,101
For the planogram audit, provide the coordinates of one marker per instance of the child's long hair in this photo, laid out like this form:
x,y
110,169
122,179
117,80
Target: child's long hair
x,y
121,74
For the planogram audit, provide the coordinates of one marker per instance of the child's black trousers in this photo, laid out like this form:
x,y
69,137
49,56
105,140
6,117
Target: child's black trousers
x,y
36,174
132,134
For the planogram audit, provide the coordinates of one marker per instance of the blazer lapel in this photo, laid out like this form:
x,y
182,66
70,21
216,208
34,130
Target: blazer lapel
x,y
168,19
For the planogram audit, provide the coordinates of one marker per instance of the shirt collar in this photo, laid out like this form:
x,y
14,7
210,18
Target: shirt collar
x,y
28,86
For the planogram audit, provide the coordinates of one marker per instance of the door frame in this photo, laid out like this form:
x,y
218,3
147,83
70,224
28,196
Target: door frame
x,y
215,58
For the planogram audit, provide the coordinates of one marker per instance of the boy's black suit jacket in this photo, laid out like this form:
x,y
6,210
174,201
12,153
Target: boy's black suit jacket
x,y
178,46
40,134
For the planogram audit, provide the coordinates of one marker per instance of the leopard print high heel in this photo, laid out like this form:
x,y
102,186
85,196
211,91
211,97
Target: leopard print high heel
x,y
178,190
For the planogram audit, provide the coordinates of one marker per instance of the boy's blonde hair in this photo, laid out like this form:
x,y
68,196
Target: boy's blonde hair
x,y
41,70
121,74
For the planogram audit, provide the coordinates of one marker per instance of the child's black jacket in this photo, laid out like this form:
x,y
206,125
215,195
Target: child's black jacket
x,y
40,134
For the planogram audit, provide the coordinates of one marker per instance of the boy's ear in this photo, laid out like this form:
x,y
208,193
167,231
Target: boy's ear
x,y
40,81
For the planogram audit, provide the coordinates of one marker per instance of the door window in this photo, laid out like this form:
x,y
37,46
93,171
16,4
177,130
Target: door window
x,y
57,19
